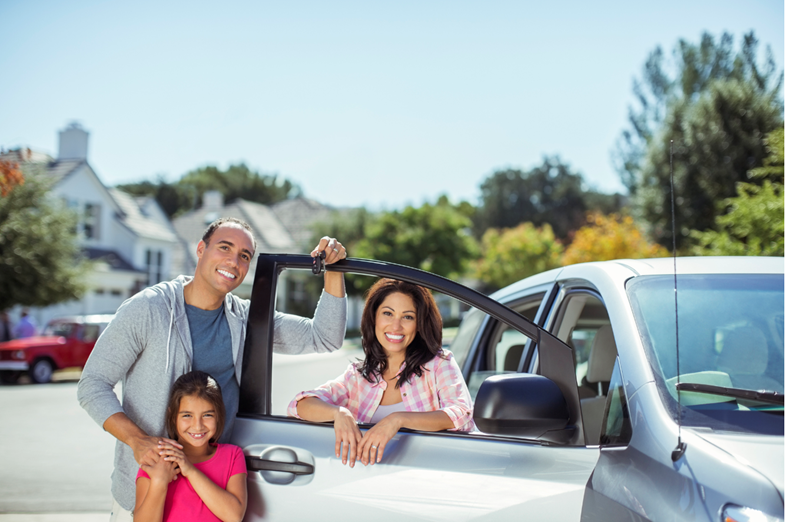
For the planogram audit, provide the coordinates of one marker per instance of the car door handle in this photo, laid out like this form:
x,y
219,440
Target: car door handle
x,y
260,464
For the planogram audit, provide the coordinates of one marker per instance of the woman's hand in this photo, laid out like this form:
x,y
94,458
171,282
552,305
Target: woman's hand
x,y
373,443
348,434
176,457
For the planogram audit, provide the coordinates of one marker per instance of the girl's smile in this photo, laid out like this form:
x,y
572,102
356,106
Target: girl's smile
x,y
196,423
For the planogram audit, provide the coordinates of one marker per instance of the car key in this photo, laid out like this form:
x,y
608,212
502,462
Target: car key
x,y
318,263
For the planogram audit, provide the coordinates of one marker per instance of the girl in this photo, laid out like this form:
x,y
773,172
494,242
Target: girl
x,y
212,486
406,381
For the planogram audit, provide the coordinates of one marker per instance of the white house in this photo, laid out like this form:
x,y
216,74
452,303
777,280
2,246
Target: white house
x,y
130,238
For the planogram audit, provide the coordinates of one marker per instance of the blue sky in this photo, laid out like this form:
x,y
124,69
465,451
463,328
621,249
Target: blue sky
x,y
361,103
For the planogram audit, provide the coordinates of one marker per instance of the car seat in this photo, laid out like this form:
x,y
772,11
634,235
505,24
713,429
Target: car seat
x,y
745,356
601,360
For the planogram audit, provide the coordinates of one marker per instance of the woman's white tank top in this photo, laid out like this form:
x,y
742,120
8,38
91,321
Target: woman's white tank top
x,y
383,411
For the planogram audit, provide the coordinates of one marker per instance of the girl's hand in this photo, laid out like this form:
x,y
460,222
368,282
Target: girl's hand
x,y
348,434
373,443
174,455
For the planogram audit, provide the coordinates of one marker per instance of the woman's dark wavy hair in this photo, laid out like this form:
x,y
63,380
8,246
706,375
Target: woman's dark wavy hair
x,y
427,343
195,384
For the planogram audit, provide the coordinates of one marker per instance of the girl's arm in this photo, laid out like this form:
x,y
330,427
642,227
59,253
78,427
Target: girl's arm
x,y
227,504
372,445
151,492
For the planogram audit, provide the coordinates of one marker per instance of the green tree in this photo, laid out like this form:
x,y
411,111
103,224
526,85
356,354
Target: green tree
x,y
172,198
40,261
550,193
434,237
716,106
237,181
348,226
753,223
511,254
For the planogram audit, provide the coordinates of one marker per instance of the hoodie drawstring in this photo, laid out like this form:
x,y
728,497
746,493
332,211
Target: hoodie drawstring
x,y
169,335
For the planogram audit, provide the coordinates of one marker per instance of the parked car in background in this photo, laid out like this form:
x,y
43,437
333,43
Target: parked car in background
x,y
587,409
66,342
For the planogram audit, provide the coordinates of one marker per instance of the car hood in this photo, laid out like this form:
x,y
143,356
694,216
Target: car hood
x,y
31,342
764,453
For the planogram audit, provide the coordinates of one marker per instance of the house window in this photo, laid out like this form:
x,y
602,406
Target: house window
x,y
154,263
90,220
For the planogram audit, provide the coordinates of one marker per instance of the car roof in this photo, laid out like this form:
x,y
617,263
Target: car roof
x,y
93,318
656,266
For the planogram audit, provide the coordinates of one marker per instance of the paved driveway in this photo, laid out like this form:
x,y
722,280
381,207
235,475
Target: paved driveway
x,y
54,458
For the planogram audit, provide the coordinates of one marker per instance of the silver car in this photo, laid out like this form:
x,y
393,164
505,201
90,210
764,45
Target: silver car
x,y
590,406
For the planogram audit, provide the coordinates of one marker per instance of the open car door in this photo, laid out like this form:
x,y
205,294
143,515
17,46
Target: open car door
x,y
293,473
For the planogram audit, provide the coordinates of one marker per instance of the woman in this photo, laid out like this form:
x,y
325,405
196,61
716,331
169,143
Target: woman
x,y
406,381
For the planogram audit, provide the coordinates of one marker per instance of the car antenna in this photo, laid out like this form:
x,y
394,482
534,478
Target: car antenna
x,y
681,446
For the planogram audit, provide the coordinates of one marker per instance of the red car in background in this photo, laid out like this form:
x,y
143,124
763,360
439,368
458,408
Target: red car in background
x,y
65,343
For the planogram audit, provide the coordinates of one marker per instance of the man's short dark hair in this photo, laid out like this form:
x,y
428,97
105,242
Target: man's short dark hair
x,y
208,233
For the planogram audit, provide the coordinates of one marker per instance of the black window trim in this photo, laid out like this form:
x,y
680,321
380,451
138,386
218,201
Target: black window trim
x,y
255,388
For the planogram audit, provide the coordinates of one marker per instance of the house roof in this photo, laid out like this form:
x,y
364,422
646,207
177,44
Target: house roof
x,y
138,221
110,257
299,215
25,155
271,235
60,169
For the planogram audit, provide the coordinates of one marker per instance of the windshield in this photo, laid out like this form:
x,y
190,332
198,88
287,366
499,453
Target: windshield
x,y
730,335
59,329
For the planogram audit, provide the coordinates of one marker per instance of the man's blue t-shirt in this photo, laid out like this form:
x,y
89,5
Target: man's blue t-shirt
x,y
212,345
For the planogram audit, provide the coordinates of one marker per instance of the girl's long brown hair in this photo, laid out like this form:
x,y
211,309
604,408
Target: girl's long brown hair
x,y
427,342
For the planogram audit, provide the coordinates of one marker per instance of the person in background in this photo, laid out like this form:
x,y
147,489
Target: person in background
x,y
191,323
26,326
6,332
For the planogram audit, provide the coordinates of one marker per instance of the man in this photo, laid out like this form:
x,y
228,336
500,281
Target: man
x,y
26,326
191,324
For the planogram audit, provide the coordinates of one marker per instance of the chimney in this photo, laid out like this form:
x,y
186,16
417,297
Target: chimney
x,y
213,200
73,142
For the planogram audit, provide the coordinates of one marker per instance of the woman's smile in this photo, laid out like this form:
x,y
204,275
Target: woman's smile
x,y
396,323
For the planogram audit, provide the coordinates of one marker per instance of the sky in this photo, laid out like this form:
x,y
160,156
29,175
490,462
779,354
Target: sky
x,y
381,104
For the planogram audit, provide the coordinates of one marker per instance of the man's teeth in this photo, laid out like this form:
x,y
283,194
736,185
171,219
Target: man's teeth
x,y
227,274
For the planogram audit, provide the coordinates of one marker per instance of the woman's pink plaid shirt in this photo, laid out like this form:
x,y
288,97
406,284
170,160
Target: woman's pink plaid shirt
x,y
441,387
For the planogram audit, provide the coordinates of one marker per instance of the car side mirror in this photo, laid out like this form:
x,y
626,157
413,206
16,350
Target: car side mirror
x,y
523,405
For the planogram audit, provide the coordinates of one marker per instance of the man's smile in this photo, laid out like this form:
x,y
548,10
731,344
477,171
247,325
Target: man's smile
x,y
226,274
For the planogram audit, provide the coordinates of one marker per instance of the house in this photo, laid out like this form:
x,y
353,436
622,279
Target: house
x,y
130,239
285,227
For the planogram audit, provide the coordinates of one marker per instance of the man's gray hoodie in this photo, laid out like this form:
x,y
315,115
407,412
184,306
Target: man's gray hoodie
x,y
147,346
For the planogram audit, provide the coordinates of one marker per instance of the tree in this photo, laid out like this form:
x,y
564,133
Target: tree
x,y
434,237
515,253
753,224
40,262
348,226
551,193
610,237
715,108
172,198
238,181
10,176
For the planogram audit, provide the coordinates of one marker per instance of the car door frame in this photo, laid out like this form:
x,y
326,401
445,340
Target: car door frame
x,y
555,357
